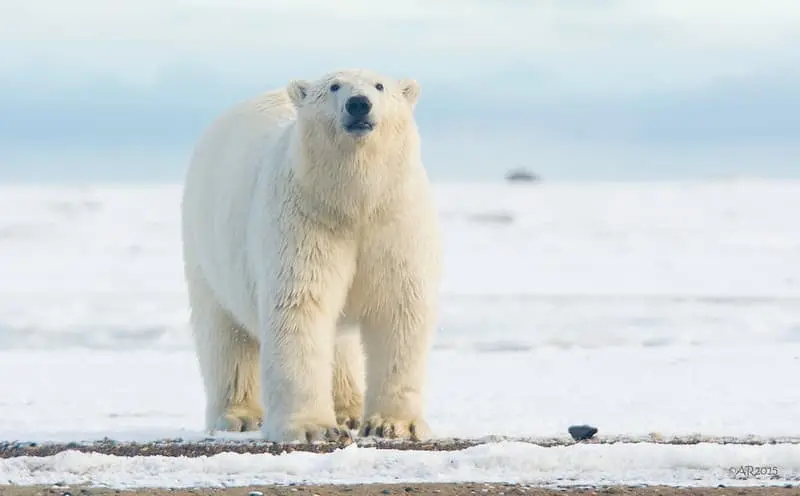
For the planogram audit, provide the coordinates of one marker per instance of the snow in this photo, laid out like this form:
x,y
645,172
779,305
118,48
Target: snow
x,y
678,390
638,308
705,464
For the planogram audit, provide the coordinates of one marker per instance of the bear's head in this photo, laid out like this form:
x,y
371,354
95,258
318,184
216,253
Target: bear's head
x,y
354,105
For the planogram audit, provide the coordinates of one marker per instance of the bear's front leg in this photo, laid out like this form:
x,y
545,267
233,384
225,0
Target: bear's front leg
x,y
299,312
397,332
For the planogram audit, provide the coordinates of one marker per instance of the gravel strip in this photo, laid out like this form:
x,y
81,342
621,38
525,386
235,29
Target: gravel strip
x,y
406,489
211,446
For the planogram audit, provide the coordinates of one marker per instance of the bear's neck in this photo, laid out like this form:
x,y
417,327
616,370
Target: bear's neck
x,y
352,181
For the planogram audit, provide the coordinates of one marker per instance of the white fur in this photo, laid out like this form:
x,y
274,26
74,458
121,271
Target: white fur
x,y
298,235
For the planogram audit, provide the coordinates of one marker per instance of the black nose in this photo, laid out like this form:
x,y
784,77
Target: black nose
x,y
358,106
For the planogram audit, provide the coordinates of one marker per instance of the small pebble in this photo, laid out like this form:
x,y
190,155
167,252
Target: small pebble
x,y
386,491
255,493
582,432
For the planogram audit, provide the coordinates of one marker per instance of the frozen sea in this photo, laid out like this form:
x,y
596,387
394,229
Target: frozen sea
x,y
671,308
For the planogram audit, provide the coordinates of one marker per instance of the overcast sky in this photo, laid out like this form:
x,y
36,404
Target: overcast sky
x,y
593,89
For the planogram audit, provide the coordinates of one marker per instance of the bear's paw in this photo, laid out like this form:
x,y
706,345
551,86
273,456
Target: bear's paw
x,y
239,419
309,433
391,428
351,421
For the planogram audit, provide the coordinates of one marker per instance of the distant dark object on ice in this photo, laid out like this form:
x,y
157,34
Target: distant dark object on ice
x,y
582,432
521,175
493,217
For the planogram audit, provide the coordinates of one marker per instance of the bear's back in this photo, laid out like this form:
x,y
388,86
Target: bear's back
x,y
230,155
240,151
254,123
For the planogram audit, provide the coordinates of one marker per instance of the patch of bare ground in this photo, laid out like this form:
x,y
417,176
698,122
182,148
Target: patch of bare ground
x,y
468,489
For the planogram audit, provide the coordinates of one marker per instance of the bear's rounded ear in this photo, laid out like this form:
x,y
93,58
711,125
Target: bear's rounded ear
x,y
410,89
298,91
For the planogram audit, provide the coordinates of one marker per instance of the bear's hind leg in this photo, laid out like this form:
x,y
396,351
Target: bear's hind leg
x,y
229,364
348,377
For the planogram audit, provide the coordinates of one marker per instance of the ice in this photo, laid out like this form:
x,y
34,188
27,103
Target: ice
x,y
635,307
586,265
679,390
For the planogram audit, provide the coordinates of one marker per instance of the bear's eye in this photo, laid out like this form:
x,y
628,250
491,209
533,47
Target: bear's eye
x,y
379,86
334,87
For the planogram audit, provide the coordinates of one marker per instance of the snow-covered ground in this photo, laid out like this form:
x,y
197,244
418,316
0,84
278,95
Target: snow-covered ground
x,y
586,464
670,308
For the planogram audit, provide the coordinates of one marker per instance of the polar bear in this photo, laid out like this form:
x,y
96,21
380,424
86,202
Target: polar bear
x,y
312,257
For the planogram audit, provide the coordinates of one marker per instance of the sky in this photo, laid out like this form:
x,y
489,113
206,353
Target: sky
x,y
95,90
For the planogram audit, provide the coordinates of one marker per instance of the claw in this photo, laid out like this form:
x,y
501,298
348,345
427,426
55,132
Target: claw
x,y
238,420
413,430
